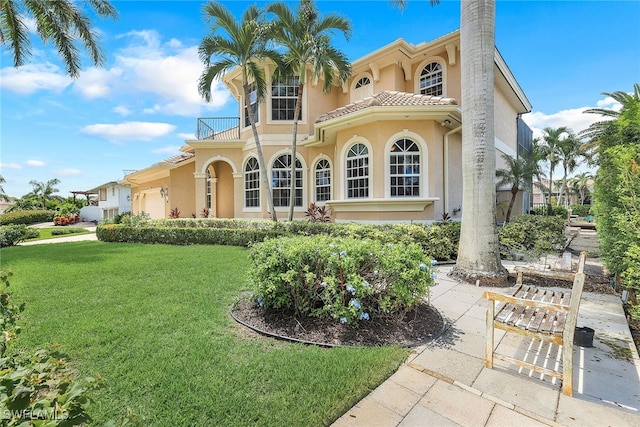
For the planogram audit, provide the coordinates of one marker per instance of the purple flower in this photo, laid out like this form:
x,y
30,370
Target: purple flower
x,y
364,316
423,266
354,303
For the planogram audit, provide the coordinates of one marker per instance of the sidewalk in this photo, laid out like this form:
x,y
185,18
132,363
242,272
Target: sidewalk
x,y
68,238
445,383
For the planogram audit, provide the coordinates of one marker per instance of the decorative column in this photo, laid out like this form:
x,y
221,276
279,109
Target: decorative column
x,y
200,191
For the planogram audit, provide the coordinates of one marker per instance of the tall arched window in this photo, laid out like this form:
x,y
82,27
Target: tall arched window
x,y
252,184
431,79
404,169
209,193
357,172
281,181
323,181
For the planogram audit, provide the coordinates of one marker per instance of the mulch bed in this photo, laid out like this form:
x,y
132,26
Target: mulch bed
x,y
419,325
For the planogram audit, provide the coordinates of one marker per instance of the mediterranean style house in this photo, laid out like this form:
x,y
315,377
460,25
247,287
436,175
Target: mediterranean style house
x,y
384,147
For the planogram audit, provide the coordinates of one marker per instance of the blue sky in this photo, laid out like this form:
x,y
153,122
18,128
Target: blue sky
x,y
140,107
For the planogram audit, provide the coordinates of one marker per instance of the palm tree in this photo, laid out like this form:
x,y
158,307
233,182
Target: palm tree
x,y
517,174
44,190
3,195
60,22
595,131
245,46
478,253
569,151
551,151
309,55
580,185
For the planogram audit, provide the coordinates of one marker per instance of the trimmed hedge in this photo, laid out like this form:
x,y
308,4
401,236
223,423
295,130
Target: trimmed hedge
x,y
183,236
532,233
26,217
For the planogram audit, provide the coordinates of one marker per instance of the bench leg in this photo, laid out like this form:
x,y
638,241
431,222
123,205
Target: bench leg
x,y
567,368
489,343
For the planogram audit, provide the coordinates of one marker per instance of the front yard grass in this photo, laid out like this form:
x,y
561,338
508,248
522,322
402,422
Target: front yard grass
x,y
153,320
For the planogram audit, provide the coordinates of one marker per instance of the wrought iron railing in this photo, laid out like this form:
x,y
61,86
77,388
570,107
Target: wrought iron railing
x,y
218,128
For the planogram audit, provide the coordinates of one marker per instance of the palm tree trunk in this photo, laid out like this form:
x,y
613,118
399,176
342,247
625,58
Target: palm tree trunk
x,y
478,253
263,167
514,193
294,146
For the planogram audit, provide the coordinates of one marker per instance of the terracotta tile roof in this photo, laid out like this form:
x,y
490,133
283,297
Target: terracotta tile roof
x,y
179,158
387,99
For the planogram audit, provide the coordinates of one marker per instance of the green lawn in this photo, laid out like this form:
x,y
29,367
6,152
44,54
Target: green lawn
x,y
153,320
46,233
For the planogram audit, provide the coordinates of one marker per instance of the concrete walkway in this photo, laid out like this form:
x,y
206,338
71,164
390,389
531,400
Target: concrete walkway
x,y
445,383
63,239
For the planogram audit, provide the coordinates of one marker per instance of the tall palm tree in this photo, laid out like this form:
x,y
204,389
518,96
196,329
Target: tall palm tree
x,y
580,185
61,22
517,174
596,130
3,195
44,190
478,253
551,149
569,152
242,44
306,37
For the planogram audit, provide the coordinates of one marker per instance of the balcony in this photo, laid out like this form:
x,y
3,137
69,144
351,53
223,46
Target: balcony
x,y
220,128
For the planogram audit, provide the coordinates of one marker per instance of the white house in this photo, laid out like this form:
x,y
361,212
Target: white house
x,y
113,199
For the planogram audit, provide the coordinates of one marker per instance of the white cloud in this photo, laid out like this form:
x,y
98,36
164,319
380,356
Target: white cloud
x,y
10,166
142,131
30,78
575,119
96,82
171,149
68,172
122,110
35,163
186,136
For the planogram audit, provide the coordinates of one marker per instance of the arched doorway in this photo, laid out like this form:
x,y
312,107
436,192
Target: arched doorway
x,y
219,190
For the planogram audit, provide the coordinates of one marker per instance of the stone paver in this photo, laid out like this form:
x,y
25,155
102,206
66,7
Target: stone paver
x,y
444,399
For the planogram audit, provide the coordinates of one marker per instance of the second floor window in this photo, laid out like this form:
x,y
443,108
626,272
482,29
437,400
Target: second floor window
x,y
358,172
431,80
252,184
404,169
281,181
253,106
284,94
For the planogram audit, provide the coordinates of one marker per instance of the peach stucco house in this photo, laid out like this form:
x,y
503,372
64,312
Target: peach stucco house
x,y
385,147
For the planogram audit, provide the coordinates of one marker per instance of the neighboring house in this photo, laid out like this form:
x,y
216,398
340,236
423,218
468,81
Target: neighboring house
x,y
113,199
385,147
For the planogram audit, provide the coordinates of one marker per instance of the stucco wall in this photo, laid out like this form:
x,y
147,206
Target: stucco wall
x,y
181,194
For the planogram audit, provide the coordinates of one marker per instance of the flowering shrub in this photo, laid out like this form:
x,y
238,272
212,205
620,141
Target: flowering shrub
x,y
349,280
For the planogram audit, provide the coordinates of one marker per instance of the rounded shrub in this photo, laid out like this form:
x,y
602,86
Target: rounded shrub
x,y
26,217
347,279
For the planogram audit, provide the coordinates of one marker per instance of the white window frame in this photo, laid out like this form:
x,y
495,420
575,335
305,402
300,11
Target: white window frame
x,y
358,93
292,82
424,163
434,59
245,117
369,175
256,180
299,170
315,184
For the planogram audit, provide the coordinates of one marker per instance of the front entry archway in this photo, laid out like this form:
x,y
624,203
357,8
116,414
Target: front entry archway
x,y
220,191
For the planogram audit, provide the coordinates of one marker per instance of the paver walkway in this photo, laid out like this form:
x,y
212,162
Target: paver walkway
x,y
445,383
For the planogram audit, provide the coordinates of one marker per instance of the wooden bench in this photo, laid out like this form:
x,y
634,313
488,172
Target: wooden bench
x,y
538,313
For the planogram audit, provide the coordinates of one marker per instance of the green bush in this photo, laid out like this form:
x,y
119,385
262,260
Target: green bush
x,y
182,236
11,235
532,233
560,211
581,210
347,279
67,230
26,217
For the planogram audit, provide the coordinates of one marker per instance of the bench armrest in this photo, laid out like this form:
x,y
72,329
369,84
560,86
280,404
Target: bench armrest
x,y
492,296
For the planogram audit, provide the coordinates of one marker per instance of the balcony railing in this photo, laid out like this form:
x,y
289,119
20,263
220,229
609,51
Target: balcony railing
x,y
218,128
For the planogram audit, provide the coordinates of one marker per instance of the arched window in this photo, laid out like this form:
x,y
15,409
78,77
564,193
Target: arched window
x,y
431,79
361,89
209,193
252,184
357,171
404,169
281,181
323,181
